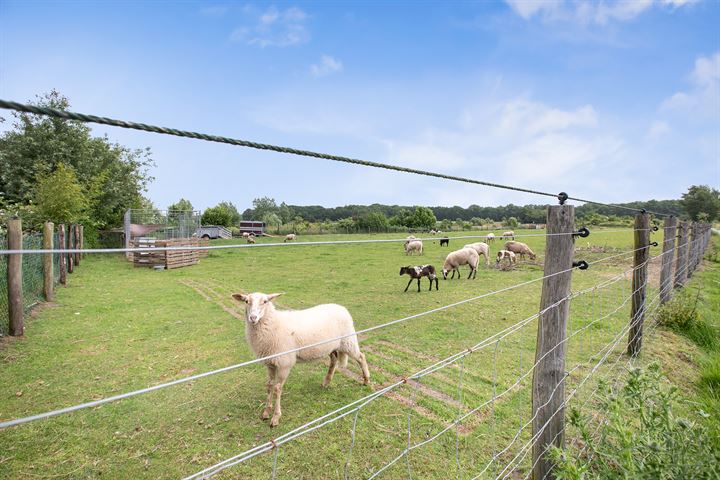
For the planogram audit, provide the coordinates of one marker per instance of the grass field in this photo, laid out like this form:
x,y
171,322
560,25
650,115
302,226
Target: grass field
x,y
116,328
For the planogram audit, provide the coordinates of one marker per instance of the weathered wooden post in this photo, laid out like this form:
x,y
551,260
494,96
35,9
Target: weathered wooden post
x,y
666,277
14,278
82,240
48,280
78,242
128,232
71,245
682,251
63,258
549,373
639,282
692,259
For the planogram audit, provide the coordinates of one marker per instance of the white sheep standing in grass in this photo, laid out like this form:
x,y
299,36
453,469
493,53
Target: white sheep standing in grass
x,y
519,248
464,256
482,249
290,237
490,237
270,331
413,246
509,234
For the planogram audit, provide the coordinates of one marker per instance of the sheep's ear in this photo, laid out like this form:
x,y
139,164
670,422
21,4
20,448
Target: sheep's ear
x,y
240,297
273,296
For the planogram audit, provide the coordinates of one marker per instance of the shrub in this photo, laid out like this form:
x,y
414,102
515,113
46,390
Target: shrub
x,y
681,315
640,437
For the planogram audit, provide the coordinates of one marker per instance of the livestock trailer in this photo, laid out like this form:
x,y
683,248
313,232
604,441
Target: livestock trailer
x,y
251,226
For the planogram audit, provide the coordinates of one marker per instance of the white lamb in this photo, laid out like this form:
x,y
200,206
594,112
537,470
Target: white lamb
x,y
290,237
482,249
490,237
413,246
509,234
464,256
270,331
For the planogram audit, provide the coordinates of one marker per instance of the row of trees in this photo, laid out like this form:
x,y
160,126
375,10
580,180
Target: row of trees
x,y
54,169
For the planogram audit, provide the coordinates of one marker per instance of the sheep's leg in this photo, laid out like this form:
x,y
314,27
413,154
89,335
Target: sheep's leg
x,y
280,377
436,285
270,383
360,359
418,283
331,370
408,285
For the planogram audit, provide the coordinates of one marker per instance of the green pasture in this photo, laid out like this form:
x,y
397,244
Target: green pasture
x,y
116,328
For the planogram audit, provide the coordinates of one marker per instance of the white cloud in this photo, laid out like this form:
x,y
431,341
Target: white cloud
x,y
274,28
703,98
589,11
328,65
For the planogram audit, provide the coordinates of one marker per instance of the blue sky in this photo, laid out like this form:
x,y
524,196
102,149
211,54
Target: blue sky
x,y
613,101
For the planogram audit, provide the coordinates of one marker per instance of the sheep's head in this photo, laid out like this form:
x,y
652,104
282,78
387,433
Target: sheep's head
x,y
532,256
445,272
256,305
403,270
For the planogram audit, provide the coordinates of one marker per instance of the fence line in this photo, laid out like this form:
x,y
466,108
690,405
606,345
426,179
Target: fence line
x,y
288,244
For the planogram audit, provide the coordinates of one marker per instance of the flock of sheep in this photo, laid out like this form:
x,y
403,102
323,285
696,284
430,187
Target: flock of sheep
x,y
468,255
327,330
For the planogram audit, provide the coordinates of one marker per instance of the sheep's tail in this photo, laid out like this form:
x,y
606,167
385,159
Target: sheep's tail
x,y
342,359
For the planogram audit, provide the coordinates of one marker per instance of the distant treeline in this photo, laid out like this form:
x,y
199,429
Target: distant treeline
x,y
524,214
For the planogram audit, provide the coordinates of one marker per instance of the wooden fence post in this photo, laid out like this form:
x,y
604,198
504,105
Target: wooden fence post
x,y
63,257
666,277
692,259
681,262
548,394
82,240
14,278
639,282
71,245
76,233
48,276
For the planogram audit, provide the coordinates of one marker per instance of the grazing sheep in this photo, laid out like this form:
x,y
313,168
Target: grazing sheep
x,y
433,231
464,256
410,238
246,234
290,237
418,272
413,246
270,331
490,237
509,234
505,254
482,249
445,241
521,249
250,238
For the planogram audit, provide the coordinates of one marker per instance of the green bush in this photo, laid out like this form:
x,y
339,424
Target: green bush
x,y
641,436
681,316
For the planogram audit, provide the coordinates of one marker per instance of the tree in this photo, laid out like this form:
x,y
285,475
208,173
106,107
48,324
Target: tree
x,y
111,176
59,197
511,222
181,205
423,217
232,210
701,199
262,206
373,221
286,213
272,220
217,215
